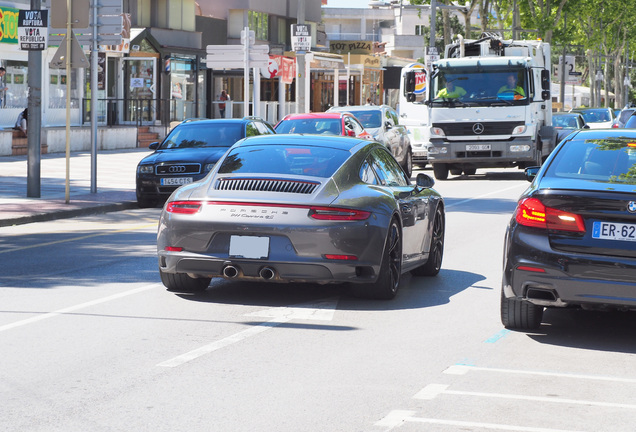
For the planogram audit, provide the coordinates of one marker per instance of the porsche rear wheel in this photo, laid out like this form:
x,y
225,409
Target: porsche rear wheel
x,y
181,282
386,286
436,250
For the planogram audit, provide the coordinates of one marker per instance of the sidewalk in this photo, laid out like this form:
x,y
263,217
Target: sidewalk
x,y
115,183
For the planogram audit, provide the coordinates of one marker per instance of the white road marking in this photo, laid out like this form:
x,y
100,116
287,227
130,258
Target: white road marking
x,y
483,196
433,390
322,310
464,369
398,417
76,307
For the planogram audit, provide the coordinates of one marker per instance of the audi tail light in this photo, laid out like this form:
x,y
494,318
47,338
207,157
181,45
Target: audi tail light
x,y
532,213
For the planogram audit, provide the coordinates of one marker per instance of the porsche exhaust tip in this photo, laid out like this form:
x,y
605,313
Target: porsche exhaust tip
x,y
267,273
230,271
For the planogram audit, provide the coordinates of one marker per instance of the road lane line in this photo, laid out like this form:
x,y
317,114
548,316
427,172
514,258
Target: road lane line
x,y
76,307
84,237
431,391
398,417
482,196
237,337
460,369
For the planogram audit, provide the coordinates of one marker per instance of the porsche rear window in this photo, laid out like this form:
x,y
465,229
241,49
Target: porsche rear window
x,y
286,160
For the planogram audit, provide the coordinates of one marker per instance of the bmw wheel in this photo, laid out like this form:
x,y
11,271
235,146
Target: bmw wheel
x,y
520,314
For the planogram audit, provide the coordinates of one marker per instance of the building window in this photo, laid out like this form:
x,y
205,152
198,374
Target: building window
x,y
259,22
419,30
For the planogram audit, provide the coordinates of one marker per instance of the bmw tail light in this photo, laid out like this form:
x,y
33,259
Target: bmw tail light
x,y
531,212
337,214
184,207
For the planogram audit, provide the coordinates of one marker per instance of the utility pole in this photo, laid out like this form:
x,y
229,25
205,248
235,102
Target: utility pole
x,y
301,88
34,136
433,22
562,87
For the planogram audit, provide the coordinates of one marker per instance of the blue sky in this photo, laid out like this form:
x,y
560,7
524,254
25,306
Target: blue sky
x,y
348,3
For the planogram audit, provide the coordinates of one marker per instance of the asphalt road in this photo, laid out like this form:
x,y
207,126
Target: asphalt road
x,y
92,341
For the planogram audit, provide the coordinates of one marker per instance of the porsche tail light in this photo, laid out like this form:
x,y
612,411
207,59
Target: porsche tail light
x,y
341,257
184,207
531,212
338,214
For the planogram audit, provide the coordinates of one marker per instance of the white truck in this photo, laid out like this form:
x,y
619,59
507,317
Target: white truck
x,y
489,105
413,110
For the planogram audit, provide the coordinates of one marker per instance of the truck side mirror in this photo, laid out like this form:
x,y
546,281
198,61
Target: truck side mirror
x,y
409,82
545,79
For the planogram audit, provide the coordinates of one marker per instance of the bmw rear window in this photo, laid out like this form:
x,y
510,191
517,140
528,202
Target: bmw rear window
x,y
610,160
193,135
286,160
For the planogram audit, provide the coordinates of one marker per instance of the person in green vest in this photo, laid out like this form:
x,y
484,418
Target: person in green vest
x,y
451,91
512,87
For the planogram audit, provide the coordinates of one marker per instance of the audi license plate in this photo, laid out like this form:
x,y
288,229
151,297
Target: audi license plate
x,y
614,231
249,247
175,181
477,147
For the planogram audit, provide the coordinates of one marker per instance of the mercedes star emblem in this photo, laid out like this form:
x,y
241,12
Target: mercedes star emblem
x,y
478,128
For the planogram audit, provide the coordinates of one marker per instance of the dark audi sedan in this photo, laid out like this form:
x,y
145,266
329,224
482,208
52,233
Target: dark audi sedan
x,y
572,239
188,153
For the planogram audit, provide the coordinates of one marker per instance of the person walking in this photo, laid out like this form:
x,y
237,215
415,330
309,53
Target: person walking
x,y
224,97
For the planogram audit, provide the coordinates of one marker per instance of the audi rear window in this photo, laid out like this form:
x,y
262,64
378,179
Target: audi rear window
x,y
193,135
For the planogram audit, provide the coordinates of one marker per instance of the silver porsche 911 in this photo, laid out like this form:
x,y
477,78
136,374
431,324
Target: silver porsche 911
x,y
294,208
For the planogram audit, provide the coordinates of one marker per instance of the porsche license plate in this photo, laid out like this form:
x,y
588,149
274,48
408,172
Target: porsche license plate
x,y
614,231
175,181
251,247
477,147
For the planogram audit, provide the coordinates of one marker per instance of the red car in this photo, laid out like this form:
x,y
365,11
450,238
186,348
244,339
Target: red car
x,y
335,123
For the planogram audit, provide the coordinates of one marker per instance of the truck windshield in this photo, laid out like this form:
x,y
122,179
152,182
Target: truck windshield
x,y
485,87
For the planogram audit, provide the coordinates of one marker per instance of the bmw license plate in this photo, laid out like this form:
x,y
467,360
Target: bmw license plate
x,y
477,147
251,247
175,181
614,231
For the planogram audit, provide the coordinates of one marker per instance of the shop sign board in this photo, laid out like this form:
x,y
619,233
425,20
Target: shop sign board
x,y
350,46
33,29
8,25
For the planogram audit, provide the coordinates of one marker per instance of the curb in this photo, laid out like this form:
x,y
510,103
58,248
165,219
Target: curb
x,y
65,214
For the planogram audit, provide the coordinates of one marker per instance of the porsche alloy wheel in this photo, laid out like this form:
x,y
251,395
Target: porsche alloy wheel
x,y
181,282
386,286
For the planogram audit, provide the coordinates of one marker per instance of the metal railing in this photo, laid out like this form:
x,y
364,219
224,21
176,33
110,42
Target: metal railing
x,y
114,112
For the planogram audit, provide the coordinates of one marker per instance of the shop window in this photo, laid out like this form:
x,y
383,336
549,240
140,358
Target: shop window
x,y
58,86
16,96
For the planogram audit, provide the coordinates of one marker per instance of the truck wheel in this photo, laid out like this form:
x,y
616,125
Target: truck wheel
x,y
440,171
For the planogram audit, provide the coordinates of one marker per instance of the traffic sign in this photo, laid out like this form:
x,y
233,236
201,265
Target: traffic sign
x,y
233,56
78,58
79,13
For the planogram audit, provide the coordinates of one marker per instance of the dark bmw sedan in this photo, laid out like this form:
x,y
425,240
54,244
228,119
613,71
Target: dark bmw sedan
x,y
188,153
572,239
